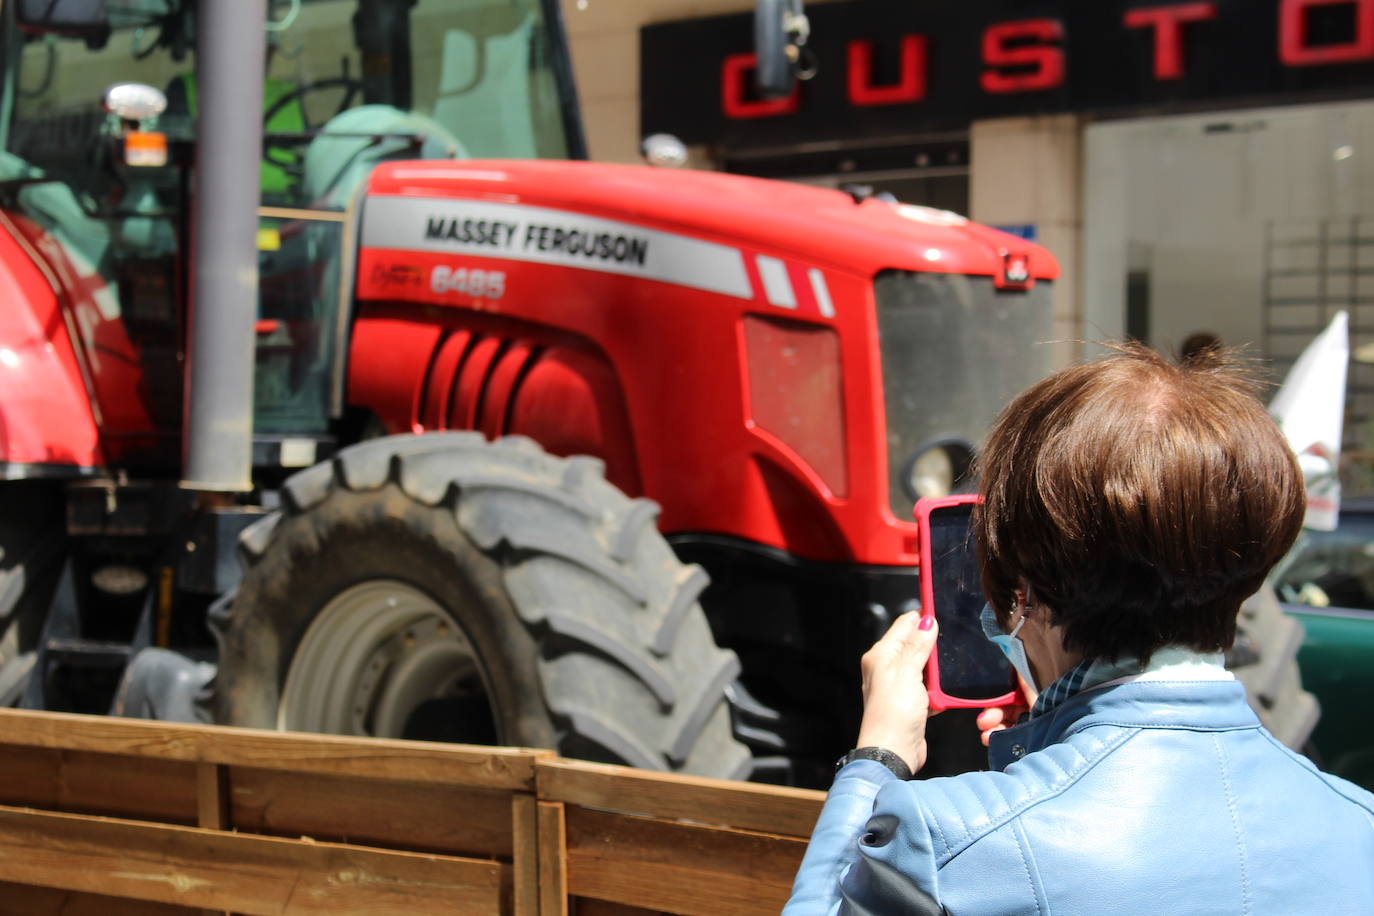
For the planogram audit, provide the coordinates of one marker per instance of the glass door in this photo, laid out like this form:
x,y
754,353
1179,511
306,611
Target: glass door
x,y
1249,227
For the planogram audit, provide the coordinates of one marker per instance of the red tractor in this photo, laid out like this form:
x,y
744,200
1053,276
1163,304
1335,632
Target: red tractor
x,y
480,428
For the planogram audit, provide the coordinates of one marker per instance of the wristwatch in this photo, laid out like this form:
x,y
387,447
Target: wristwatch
x,y
882,755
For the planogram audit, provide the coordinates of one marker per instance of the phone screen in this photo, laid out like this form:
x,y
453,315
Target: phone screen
x,y
971,668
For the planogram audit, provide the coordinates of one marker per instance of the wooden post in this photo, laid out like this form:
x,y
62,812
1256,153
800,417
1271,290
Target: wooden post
x,y
212,803
525,848
553,860
212,796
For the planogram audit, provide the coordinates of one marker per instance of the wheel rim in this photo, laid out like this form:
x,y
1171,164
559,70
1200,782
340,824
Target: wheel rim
x,y
384,659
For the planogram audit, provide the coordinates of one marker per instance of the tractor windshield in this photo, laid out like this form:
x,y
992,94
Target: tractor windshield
x,y
955,349
348,84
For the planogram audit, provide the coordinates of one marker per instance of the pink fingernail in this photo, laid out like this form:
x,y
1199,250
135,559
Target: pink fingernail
x,y
926,623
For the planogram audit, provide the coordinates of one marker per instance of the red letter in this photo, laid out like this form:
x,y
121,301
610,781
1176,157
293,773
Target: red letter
x,y
732,96
910,88
1294,50
1167,21
1047,59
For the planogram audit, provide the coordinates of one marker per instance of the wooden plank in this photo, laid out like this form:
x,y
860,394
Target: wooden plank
x,y
524,813
749,806
452,820
27,900
677,867
190,866
553,858
590,906
414,761
88,783
212,796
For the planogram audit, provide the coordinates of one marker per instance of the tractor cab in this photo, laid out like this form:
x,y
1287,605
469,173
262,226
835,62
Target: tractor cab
x,y
103,199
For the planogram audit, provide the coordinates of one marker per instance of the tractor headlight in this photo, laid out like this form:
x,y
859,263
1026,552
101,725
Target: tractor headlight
x,y
938,469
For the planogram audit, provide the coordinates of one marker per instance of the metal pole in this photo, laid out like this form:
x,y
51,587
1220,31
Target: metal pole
x,y
218,443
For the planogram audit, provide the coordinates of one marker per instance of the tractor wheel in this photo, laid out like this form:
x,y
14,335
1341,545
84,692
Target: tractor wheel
x,y
32,545
449,588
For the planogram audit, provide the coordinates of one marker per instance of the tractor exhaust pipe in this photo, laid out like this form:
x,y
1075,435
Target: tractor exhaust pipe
x,y
218,443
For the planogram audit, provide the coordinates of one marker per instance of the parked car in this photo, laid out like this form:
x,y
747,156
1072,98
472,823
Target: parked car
x,y
1327,582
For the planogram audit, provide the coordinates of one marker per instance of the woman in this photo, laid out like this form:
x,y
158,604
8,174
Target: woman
x,y
1130,506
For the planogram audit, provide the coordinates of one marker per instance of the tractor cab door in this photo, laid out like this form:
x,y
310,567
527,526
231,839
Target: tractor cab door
x,y
349,84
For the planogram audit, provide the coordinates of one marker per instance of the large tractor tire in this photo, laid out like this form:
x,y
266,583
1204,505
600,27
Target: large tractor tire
x,y
445,587
32,546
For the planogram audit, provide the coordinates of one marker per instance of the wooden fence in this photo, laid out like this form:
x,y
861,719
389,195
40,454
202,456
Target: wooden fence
x,y
111,816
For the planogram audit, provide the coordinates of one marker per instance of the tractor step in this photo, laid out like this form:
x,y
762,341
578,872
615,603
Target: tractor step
x,y
88,653
73,673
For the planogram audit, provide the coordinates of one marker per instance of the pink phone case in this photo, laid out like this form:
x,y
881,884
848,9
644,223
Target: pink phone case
x,y
938,698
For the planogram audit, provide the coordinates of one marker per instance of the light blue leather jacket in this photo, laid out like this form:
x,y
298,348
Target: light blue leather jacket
x,y
1141,798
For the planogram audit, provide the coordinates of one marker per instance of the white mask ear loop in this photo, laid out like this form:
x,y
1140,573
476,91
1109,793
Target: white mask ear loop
x,y
1027,605
1019,624
1010,644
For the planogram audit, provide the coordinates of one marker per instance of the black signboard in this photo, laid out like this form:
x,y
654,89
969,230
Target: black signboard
x,y
897,68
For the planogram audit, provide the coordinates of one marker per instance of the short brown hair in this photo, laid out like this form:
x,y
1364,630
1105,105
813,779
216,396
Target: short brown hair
x,y
1142,501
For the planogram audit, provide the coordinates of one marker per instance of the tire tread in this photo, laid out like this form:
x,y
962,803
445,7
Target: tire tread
x,y
626,661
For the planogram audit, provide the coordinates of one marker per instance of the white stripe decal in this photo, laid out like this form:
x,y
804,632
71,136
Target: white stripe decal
x,y
776,286
822,292
546,236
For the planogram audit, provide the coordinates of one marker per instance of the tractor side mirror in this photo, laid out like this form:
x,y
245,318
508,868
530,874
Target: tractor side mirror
x,y
781,30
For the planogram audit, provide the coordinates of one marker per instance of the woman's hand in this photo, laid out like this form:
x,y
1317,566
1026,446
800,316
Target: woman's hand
x,y
896,705
996,718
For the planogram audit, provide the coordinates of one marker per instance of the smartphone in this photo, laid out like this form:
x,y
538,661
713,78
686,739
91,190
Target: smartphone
x,y
965,670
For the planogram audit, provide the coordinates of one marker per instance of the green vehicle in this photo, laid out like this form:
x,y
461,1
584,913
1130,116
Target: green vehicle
x,y
1327,582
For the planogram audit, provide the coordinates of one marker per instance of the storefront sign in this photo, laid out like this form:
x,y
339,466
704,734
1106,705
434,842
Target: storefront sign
x,y
898,68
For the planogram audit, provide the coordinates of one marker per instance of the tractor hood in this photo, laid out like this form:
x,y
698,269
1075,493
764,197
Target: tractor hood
x,y
819,226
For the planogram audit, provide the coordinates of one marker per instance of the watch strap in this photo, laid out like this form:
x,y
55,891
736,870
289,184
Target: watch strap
x,y
880,755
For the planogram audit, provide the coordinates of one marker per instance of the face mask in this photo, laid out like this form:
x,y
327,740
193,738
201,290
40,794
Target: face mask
x,y
1010,644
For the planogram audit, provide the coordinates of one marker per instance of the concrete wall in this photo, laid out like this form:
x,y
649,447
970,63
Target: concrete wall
x,y
1027,170
604,35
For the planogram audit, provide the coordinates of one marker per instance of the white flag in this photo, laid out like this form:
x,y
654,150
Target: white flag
x,y
1310,409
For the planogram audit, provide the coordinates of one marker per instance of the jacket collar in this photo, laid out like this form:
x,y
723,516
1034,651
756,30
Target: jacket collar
x,y
1196,705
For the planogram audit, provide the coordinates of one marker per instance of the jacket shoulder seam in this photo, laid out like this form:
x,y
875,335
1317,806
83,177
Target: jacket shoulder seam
x,y
1073,776
1317,775
1246,902
934,821
1025,853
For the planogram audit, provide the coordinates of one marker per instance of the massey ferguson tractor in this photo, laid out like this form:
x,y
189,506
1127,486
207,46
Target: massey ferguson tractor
x,y
334,397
